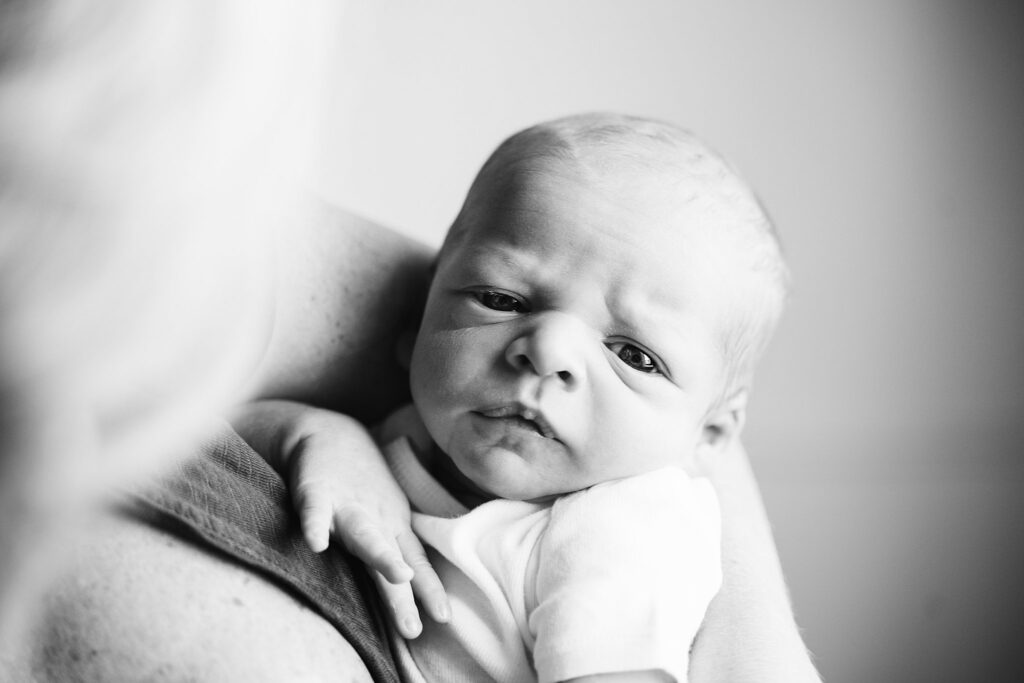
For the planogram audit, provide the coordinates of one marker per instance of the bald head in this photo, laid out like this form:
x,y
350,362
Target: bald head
x,y
618,154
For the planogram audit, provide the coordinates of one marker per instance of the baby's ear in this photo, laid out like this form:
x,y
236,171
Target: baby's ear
x,y
725,423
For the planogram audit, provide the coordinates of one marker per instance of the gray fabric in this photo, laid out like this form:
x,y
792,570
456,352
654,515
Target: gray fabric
x,y
227,497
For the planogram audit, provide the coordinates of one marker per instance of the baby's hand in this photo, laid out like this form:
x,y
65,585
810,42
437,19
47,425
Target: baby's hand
x,y
341,486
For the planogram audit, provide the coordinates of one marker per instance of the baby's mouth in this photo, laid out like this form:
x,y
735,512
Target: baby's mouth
x,y
528,417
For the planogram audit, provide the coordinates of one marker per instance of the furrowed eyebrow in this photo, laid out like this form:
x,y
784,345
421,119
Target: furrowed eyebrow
x,y
500,260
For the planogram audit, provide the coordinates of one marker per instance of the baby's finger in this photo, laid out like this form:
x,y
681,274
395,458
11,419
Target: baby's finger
x,y
426,585
401,605
314,507
365,539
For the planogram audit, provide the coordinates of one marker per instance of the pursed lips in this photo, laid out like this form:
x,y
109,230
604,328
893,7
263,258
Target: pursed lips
x,y
533,417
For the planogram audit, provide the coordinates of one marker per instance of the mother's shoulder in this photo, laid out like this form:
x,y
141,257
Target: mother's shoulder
x,y
137,603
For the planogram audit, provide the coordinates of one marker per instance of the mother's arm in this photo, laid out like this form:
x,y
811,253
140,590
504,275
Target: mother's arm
x,y
749,634
139,603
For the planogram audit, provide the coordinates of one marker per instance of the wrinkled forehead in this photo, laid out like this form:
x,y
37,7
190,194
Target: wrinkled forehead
x,y
664,240
646,233
659,201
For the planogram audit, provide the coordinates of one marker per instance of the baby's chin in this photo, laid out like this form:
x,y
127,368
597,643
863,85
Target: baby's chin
x,y
497,473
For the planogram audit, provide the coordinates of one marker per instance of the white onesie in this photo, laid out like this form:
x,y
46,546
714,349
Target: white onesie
x,y
613,578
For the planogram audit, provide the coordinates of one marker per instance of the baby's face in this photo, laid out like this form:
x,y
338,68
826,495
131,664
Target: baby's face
x,y
572,335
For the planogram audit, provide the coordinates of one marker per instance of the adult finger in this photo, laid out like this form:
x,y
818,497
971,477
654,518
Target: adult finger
x,y
365,538
426,585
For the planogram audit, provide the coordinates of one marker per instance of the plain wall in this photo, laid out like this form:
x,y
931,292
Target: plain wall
x,y
884,137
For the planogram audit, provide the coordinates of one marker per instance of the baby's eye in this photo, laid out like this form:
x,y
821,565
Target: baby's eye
x,y
500,301
634,357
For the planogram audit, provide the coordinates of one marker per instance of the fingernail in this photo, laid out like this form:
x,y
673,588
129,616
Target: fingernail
x,y
443,612
412,626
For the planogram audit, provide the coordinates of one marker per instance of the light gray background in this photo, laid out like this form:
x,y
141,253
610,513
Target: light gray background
x,y
885,139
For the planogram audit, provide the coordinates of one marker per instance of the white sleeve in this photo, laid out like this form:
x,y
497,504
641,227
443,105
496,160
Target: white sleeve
x,y
625,573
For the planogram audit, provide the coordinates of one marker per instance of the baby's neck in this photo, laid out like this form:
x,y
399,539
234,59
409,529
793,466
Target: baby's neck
x,y
441,467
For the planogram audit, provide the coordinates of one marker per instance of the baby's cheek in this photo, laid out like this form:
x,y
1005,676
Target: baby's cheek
x,y
437,370
649,437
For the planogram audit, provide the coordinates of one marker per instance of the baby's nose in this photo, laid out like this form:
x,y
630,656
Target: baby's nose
x,y
553,347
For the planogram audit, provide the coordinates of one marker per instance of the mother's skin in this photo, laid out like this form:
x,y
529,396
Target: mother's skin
x,y
140,604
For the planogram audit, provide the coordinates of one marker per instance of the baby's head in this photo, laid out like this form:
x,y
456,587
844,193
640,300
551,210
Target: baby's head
x,y
597,310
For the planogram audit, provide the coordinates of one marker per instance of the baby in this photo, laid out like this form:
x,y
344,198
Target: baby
x,y
589,337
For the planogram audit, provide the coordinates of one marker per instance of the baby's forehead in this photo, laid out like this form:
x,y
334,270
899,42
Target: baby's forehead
x,y
645,240
667,202
661,182
679,171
